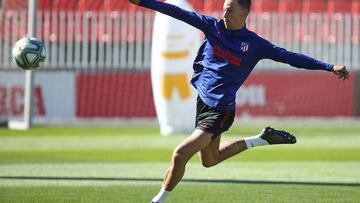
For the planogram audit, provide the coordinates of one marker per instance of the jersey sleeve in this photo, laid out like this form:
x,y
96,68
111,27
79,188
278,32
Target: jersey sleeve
x,y
273,52
194,19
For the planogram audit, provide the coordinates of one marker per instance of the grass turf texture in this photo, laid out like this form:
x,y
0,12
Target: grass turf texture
x,y
125,164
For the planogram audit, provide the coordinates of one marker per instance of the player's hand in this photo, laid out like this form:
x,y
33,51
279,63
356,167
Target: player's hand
x,y
134,1
341,72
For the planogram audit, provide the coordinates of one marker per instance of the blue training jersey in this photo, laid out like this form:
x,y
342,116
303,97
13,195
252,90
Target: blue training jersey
x,y
227,57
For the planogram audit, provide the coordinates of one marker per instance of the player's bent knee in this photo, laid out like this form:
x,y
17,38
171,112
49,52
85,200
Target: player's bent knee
x,y
208,163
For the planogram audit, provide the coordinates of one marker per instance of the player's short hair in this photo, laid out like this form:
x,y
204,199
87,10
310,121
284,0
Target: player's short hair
x,y
245,4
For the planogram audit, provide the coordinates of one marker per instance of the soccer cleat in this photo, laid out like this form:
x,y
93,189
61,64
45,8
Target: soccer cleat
x,y
273,136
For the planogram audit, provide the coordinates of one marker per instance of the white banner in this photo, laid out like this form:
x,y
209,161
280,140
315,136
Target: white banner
x,y
175,45
54,94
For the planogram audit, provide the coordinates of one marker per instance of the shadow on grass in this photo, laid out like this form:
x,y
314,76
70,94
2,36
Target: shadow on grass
x,y
221,181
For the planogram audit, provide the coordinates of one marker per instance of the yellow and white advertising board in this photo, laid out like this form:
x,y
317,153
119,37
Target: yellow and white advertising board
x,y
174,49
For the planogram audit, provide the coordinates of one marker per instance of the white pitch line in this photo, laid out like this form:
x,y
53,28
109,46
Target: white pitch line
x,y
98,174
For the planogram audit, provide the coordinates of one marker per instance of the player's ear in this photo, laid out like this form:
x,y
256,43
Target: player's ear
x,y
245,12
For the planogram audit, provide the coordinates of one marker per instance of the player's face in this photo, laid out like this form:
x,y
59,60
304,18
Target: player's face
x,y
234,15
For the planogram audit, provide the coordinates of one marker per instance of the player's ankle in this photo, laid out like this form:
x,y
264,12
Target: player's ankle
x,y
254,141
161,196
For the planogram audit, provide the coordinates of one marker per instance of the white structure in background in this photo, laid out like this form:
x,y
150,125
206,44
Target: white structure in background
x,y
174,49
29,77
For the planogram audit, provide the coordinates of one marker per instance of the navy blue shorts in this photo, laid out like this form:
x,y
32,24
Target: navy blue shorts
x,y
211,120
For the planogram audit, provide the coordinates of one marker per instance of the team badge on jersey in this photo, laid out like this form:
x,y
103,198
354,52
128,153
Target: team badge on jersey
x,y
244,46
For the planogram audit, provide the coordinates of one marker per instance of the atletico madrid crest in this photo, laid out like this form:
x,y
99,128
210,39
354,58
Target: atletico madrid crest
x,y
244,46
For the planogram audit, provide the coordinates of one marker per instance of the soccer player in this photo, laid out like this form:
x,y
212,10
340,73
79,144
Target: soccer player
x,y
225,59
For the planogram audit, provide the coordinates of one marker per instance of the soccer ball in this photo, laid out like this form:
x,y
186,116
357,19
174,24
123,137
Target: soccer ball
x,y
29,53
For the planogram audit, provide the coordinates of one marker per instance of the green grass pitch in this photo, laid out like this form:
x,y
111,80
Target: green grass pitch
x,y
126,164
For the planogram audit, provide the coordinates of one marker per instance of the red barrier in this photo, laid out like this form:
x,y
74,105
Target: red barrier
x,y
300,94
114,94
129,94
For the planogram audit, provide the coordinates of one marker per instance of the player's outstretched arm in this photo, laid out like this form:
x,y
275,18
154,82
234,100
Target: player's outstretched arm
x,y
134,1
192,18
341,72
301,61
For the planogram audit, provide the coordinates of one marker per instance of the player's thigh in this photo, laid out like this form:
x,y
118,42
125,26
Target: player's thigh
x,y
211,151
194,143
